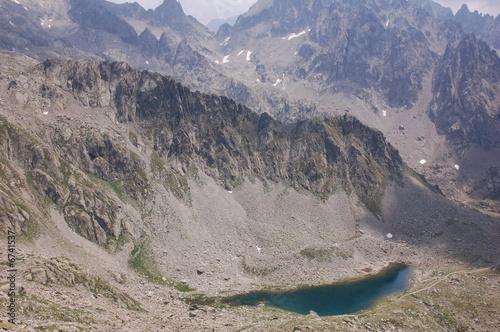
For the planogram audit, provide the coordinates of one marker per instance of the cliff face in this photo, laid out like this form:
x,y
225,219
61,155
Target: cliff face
x,y
183,131
466,101
383,46
232,140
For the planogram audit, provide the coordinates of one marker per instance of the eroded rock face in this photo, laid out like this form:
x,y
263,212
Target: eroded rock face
x,y
466,106
63,271
184,129
364,44
232,140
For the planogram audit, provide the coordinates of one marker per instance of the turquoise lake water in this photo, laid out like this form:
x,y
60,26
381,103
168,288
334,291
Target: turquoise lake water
x,y
334,299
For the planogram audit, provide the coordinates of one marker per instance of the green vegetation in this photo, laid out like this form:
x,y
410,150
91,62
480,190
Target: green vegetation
x,y
320,255
178,185
183,287
157,164
373,204
143,262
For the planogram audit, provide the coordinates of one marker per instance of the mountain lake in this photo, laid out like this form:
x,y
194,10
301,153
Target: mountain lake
x,y
337,299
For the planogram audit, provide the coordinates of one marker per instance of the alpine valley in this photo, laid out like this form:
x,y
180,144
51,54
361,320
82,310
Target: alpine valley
x,y
151,168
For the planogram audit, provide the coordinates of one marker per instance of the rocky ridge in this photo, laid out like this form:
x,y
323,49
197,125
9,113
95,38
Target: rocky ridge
x,y
214,134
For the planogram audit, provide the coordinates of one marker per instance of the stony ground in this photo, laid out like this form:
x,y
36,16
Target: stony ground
x,y
93,289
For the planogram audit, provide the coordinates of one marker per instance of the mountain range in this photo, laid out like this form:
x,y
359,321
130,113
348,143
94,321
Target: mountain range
x,y
151,167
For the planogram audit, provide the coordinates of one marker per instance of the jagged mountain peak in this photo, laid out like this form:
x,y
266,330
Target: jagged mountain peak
x,y
466,95
386,45
170,13
298,13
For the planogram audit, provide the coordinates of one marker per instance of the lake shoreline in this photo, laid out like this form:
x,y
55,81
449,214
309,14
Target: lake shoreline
x,y
357,294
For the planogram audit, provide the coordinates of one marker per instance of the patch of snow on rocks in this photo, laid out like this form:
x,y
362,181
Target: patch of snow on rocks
x,y
295,35
225,41
423,161
457,167
389,235
226,59
241,52
249,53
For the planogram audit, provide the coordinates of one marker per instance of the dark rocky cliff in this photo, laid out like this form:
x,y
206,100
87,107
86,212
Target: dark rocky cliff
x,y
231,140
466,106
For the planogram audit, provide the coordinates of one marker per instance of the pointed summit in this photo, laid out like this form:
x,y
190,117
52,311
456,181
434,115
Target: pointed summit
x,y
170,13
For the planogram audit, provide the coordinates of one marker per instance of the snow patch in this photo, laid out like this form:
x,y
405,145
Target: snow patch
x,y
226,59
230,191
45,113
147,62
423,161
249,53
225,41
384,113
278,81
457,167
217,61
258,80
295,35
241,52
389,235
259,249
11,23
16,2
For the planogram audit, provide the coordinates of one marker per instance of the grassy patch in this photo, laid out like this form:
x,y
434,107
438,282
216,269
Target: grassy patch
x,y
320,255
143,262
373,204
178,185
183,287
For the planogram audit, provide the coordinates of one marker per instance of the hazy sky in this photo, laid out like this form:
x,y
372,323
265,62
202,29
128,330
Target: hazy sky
x,y
205,10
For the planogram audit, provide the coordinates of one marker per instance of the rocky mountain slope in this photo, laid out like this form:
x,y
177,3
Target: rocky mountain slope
x,y
377,64
151,172
138,202
185,130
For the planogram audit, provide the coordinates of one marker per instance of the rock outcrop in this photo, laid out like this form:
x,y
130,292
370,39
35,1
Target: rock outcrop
x,y
466,89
